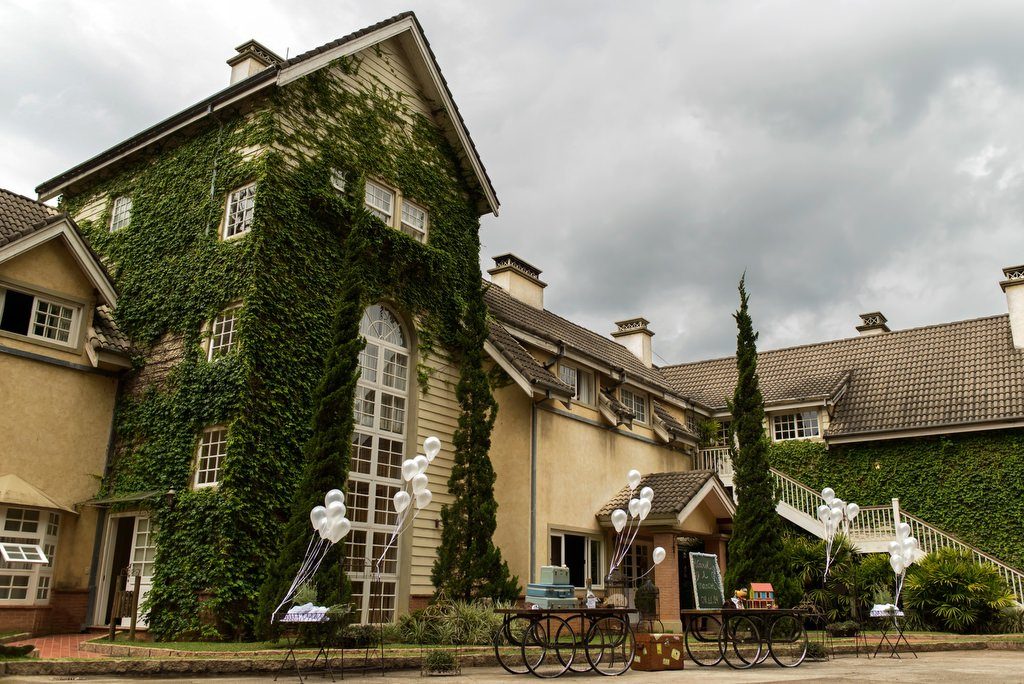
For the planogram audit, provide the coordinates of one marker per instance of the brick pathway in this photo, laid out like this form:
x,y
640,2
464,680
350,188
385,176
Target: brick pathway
x,y
61,646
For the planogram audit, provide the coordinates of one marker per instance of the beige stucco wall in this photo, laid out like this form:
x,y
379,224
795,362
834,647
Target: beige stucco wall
x,y
61,416
510,455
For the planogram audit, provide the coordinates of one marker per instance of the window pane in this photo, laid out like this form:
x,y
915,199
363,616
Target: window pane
x,y
365,406
379,201
17,313
241,205
121,215
414,221
390,454
368,362
556,549
52,321
362,452
396,369
596,567
22,520
585,387
392,413
575,559
222,333
213,446
358,500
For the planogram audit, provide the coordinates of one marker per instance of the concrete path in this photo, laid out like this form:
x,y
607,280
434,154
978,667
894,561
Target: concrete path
x,y
950,667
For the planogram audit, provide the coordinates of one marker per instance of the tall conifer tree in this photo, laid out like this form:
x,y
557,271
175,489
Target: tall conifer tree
x,y
755,550
469,566
325,465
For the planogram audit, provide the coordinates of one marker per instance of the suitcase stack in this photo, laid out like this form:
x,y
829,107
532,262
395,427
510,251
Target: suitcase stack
x,y
554,589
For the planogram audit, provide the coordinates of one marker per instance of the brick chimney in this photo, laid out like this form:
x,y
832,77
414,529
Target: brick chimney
x,y
633,334
251,59
519,279
1013,286
872,324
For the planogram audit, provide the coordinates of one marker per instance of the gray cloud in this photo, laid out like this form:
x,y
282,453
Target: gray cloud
x,y
849,156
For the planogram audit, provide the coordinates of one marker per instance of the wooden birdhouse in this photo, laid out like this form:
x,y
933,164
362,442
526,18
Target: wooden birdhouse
x,y
762,595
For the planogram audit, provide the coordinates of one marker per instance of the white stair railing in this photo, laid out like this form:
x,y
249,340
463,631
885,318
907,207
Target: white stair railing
x,y
716,459
877,524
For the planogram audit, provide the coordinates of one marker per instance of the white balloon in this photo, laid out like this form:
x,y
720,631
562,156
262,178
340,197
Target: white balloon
x,y
419,483
836,514
634,507
839,503
897,564
823,512
423,498
432,447
336,510
317,515
633,478
421,463
658,555
647,493
910,544
619,518
325,527
401,500
909,556
895,548
902,531
644,508
828,494
852,510
339,528
409,469
334,495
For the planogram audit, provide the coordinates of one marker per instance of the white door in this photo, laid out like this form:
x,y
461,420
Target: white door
x,y
142,559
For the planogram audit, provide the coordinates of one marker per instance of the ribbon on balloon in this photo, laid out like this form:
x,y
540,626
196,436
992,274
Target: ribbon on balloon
x,y
627,524
834,514
414,494
904,551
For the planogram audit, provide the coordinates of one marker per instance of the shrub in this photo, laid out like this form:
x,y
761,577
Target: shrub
x,y
852,583
440,660
816,651
843,629
450,622
1011,620
951,592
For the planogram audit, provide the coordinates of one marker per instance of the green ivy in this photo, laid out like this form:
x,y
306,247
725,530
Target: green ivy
x,y
174,274
969,485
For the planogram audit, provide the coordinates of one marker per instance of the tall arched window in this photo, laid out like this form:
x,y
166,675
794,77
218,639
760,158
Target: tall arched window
x,y
375,472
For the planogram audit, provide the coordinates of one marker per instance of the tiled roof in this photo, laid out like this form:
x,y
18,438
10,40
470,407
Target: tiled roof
x,y
264,75
931,377
524,362
671,424
617,407
555,329
672,492
105,334
20,216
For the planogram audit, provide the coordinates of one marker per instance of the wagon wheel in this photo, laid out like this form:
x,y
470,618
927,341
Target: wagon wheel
x,y
709,635
548,646
787,641
610,645
740,642
508,642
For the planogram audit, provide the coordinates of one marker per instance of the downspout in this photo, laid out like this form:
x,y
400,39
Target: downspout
x,y
533,490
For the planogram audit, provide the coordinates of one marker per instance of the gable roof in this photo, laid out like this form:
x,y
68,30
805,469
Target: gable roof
x,y
672,492
20,216
515,315
405,23
536,376
965,373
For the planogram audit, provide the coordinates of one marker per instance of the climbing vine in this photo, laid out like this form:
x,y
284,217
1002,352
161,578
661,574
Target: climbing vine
x,y
175,274
969,485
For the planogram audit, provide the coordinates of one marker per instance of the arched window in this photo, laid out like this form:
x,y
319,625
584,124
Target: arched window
x,y
375,471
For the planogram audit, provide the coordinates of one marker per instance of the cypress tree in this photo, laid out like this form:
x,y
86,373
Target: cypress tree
x,y
468,565
325,466
755,551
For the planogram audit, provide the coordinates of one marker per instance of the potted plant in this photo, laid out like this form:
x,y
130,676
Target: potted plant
x,y
440,662
848,628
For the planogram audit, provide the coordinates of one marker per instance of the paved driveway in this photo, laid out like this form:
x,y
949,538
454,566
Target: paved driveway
x,y
949,667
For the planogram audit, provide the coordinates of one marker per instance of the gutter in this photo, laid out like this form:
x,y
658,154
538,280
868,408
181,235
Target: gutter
x,y
533,490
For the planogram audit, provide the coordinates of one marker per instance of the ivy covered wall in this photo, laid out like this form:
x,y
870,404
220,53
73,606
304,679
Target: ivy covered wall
x,y
175,274
970,485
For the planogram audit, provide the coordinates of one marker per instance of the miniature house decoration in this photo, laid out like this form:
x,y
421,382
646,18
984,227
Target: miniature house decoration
x,y
762,595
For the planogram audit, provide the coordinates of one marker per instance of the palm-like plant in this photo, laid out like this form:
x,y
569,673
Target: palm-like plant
x,y
953,593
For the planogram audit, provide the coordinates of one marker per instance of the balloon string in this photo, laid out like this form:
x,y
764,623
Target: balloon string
x,y
303,573
619,541
629,544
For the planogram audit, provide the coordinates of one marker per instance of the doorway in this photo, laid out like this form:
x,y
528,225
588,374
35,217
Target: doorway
x,y
129,547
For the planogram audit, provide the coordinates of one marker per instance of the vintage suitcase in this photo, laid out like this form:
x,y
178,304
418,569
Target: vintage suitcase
x,y
551,590
554,574
556,603
656,652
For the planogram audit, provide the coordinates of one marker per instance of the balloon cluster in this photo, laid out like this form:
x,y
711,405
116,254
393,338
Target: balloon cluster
x,y
329,520
903,552
415,492
627,525
835,514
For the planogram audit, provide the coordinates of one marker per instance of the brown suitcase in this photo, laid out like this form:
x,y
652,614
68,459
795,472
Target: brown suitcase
x,y
656,652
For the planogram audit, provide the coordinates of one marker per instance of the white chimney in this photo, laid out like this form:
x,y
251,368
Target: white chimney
x,y
1013,286
872,324
634,336
519,279
251,59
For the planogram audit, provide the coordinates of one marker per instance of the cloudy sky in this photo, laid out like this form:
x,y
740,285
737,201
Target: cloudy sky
x,y
851,156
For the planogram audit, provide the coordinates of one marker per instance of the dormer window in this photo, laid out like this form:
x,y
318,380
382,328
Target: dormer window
x,y
801,425
121,214
635,402
397,211
241,206
580,379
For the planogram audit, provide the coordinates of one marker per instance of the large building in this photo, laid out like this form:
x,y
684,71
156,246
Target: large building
x,y
229,230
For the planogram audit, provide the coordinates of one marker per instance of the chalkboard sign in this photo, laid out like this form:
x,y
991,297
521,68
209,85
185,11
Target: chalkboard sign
x,y
707,581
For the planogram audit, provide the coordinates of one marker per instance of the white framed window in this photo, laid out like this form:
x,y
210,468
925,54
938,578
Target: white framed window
x,y
39,317
582,554
637,561
338,181
213,447
380,202
121,213
722,439
378,449
414,221
581,380
240,210
800,425
28,543
224,332
635,402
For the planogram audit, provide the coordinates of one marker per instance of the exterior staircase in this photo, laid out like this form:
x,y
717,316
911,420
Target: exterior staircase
x,y
873,528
